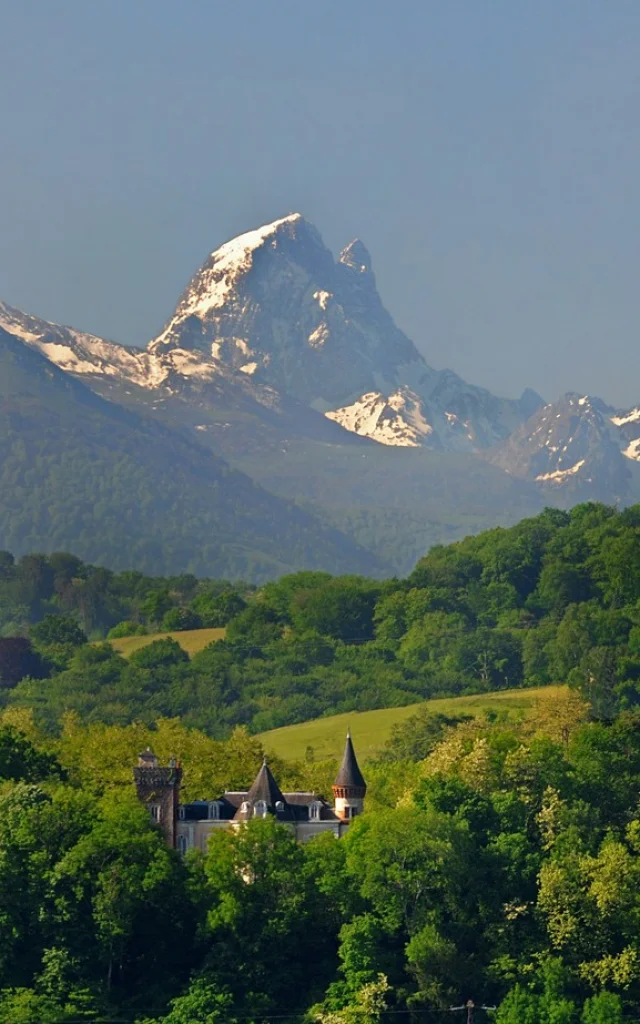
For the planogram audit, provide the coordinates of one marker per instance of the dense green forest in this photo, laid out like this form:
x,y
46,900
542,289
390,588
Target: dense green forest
x,y
495,861
553,599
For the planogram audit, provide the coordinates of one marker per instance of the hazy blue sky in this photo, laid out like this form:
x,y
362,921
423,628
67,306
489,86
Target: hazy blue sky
x,y
486,151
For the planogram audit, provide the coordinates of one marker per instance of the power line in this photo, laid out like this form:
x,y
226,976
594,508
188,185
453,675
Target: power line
x,y
470,1007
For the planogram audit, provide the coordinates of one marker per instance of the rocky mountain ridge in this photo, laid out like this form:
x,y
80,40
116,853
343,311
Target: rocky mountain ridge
x,y
275,305
273,310
274,340
577,449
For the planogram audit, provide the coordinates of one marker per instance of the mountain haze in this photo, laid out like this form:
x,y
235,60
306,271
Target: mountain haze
x,y
577,449
78,472
283,361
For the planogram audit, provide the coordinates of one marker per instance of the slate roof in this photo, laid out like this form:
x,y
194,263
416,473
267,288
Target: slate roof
x,y
350,774
283,806
265,788
295,807
198,810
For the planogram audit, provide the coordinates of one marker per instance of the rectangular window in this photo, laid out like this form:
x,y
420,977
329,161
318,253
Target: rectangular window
x,y
154,810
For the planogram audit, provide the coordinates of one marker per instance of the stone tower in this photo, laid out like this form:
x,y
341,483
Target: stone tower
x,y
159,789
349,789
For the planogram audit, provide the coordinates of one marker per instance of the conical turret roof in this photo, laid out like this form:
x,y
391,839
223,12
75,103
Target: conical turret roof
x,y
350,774
265,788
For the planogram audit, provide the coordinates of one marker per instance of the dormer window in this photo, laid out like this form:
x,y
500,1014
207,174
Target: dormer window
x,y
245,807
213,810
315,811
260,809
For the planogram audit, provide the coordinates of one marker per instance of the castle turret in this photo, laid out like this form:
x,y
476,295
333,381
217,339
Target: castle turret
x,y
264,797
159,789
349,789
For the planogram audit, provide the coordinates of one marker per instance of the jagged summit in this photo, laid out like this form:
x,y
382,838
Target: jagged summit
x,y
276,306
356,255
530,401
214,283
272,317
579,447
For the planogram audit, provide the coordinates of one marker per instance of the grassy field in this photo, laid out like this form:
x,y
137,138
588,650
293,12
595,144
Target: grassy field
x,y
191,640
370,729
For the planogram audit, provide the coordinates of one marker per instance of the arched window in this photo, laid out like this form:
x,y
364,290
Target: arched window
x,y
245,807
315,811
260,809
213,810
156,813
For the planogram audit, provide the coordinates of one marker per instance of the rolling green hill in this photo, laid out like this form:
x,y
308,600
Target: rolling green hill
x,y
371,729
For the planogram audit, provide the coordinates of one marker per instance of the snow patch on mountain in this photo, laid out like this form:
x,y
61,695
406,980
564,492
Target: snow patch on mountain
x,y
323,298
319,335
558,475
88,356
627,417
80,353
632,451
578,447
397,420
212,286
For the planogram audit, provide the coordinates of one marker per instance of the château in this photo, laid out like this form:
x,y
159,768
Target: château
x,y
187,826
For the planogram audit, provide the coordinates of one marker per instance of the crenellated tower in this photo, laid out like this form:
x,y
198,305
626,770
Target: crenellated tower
x,y
159,789
349,789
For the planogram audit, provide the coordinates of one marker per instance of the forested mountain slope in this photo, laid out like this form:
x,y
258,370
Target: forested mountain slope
x,y
82,473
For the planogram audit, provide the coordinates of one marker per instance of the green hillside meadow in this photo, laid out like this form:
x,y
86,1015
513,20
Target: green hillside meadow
x,y
371,729
191,640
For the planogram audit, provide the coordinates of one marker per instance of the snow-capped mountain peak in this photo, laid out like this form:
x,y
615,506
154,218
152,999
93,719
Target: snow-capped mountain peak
x,y
273,312
275,305
578,446
219,277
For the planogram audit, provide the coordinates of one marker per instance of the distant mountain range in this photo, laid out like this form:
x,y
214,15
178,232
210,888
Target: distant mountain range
x,y
283,361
